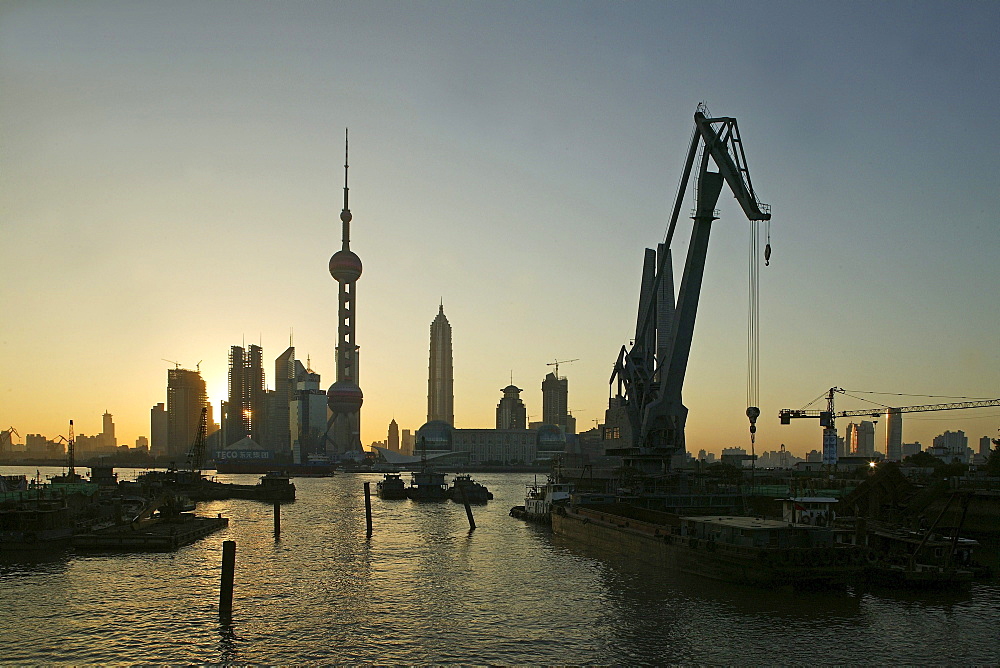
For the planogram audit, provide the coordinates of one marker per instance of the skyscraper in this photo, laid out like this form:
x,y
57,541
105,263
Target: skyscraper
x,y
284,391
185,399
344,398
392,442
555,394
307,415
440,376
246,413
511,412
158,430
107,435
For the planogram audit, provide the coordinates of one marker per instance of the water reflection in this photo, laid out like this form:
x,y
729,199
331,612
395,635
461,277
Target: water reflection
x,y
425,589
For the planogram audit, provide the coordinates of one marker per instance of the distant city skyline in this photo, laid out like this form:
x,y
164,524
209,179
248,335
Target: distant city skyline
x,y
171,179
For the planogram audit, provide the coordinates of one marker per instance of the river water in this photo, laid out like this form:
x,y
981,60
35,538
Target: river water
x,y
425,589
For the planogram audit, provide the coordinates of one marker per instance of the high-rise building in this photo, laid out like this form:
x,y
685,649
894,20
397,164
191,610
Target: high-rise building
x,y
440,373
246,410
555,394
861,439
406,442
307,416
392,442
344,398
107,435
158,430
951,446
284,391
511,412
185,399
893,435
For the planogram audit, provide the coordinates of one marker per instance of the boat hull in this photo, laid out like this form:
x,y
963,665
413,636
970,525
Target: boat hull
x,y
658,546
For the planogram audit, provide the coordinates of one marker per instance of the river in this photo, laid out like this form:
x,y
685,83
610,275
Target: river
x,y
424,589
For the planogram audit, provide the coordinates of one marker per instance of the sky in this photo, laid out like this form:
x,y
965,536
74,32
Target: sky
x,y
171,180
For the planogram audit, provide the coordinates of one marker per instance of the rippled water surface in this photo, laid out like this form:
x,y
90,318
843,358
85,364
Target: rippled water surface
x,y
426,589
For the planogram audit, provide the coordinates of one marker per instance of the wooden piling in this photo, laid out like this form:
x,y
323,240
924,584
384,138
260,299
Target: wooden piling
x,y
468,508
226,586
368,507
277,520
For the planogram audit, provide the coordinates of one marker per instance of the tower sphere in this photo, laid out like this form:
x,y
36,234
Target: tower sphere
x,y
344,397
345,216
345,266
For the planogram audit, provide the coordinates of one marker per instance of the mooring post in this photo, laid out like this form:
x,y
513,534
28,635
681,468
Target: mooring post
x,y
228,571
468,509
368,507
277,520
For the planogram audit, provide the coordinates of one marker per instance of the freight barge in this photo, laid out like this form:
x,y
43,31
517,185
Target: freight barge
x,y
164,536
745,550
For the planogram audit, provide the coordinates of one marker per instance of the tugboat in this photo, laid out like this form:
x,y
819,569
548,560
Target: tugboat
x,y
540,499
465,489
391,487
427,486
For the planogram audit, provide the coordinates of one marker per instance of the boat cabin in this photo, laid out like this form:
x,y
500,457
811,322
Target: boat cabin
x,y
814,510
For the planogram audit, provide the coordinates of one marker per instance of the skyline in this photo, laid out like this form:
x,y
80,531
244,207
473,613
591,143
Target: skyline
x,y
170,187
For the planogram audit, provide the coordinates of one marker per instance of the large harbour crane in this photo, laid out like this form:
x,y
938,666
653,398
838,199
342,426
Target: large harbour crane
x,y
647,417
892,416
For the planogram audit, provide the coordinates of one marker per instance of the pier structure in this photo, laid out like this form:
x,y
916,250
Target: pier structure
x,y
344,398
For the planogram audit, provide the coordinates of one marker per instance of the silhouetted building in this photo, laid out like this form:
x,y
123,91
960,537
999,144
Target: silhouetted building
x,y
246,410
490,446
307,416
951,446
861,438
392,442
158,431
108,439
440,374
555,393
406,442
511,412
185,399
284,390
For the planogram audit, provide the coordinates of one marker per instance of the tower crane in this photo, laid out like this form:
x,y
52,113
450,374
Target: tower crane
x,y
558,362
827,417
177,365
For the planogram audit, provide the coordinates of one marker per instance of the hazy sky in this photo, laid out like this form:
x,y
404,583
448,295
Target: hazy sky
x,y
171,173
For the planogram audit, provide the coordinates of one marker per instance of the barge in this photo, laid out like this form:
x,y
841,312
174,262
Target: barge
x,y
744,550
164,536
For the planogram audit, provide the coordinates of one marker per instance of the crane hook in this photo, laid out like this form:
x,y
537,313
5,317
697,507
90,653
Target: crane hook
x,y
767,255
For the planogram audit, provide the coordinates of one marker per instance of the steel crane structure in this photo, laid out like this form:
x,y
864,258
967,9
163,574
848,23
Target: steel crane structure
x,y
558,362
645,420
7,439
892,414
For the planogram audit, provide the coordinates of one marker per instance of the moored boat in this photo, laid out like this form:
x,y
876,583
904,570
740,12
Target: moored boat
x,y
540,499
427,486
465,489
35,526
391,487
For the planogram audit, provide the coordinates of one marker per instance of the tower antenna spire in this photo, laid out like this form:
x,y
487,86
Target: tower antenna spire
x,y
346,208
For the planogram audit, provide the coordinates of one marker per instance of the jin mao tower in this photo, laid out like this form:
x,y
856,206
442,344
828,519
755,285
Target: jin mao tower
x,y
344,398
440,375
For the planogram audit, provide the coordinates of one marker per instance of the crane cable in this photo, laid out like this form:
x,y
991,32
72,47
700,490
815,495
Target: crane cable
x,y
753,334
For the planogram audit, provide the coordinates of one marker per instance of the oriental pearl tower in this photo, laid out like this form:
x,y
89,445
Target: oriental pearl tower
x,y
344,398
